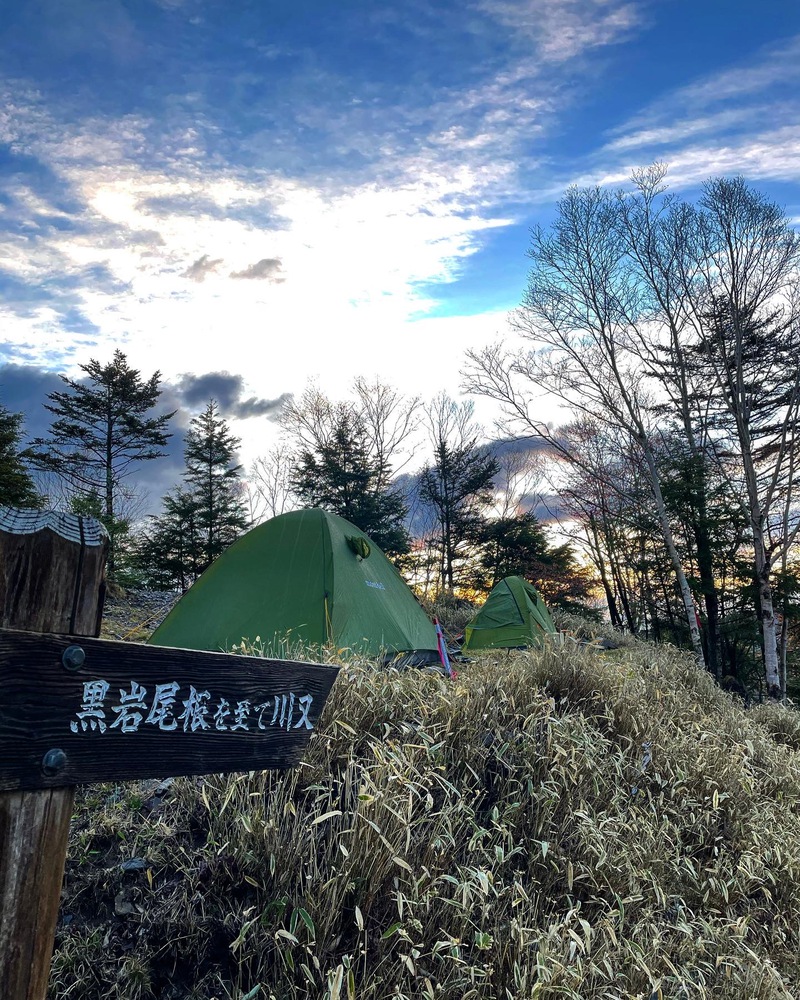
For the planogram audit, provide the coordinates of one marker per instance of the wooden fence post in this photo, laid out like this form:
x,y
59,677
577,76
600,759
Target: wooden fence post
x,y
52,571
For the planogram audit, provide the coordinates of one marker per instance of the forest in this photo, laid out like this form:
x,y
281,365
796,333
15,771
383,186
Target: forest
x,y
664,499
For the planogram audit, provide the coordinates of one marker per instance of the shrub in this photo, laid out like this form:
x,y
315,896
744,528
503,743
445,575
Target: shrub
x,y
558,823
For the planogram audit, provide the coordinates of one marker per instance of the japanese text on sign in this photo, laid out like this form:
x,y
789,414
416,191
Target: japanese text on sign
x,y
170,709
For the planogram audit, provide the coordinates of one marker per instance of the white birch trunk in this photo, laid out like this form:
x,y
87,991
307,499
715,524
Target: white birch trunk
x,y
772,673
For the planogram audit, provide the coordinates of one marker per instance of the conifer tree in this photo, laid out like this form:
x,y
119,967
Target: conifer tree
x,y
170,552
17,488
458,484
341,475
212,478
201,517
103,428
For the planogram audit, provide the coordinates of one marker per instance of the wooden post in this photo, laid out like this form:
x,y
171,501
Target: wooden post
x,y
52,568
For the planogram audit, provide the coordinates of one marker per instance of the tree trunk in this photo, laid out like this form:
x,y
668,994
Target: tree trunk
x,y
622,590
784,644
772,674
110,495
705,566
669,541
597,552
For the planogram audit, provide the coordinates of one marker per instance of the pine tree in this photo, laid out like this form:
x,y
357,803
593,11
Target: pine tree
x,y
17,488
213,478
102,430
169,553
342,476
458,484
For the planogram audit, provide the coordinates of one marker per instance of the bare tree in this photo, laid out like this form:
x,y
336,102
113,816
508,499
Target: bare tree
x,y
309,420
388,418
346,454
744,301
658,233
519,479
270,483
597,492
391,422
581,312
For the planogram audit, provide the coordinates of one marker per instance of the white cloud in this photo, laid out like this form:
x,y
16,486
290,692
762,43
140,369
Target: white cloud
x,y
774,65
741,119
565,29
685,128
174,226
744,119
351,264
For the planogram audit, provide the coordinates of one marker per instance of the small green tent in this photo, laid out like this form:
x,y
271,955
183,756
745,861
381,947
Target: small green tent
x,y
306,576
514,615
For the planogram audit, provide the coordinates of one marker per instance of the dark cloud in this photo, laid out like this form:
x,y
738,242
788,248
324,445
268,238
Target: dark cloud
x,y
196,205
114,237
516,446
268,269
549,508
262,215
195,391
269,408
201,267
24,389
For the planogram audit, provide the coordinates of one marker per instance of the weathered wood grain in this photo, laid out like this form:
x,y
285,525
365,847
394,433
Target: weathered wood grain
x,y
136,711
48,582
52,571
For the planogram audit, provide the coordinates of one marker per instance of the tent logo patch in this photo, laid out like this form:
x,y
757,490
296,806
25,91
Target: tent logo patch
x,y
375,584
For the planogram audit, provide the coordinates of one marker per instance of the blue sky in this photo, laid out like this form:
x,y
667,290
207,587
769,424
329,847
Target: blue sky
x,y
247,195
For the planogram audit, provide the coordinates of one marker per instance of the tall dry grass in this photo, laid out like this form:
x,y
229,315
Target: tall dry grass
x,y
553,824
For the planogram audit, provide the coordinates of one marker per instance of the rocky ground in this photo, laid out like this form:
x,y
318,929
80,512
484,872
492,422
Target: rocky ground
x,y
132,615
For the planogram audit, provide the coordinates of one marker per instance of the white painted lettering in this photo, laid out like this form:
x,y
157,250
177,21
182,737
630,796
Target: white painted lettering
x,y
162,709
195,710
131,709
305,704
91,714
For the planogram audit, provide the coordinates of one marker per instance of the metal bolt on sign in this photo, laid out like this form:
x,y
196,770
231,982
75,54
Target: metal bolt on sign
x,y
73,657
53,762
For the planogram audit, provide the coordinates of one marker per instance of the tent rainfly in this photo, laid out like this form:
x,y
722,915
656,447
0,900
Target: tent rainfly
x,y
309,577
514,615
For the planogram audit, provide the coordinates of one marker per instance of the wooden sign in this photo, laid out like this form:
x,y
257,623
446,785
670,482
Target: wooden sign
x,y
75,711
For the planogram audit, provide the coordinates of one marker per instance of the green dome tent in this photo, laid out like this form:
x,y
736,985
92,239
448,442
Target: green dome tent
x,y
306,576
514,615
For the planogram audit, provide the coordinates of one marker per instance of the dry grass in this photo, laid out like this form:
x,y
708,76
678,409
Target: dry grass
x,y
558,823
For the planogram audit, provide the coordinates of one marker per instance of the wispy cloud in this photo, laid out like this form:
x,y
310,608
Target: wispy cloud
x,y
742,119
239,203
774,66
565,29
683,129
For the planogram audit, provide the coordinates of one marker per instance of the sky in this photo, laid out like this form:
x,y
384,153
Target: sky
x,y
248,194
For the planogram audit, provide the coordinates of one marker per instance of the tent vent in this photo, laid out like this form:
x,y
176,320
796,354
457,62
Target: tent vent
x,y
359,545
